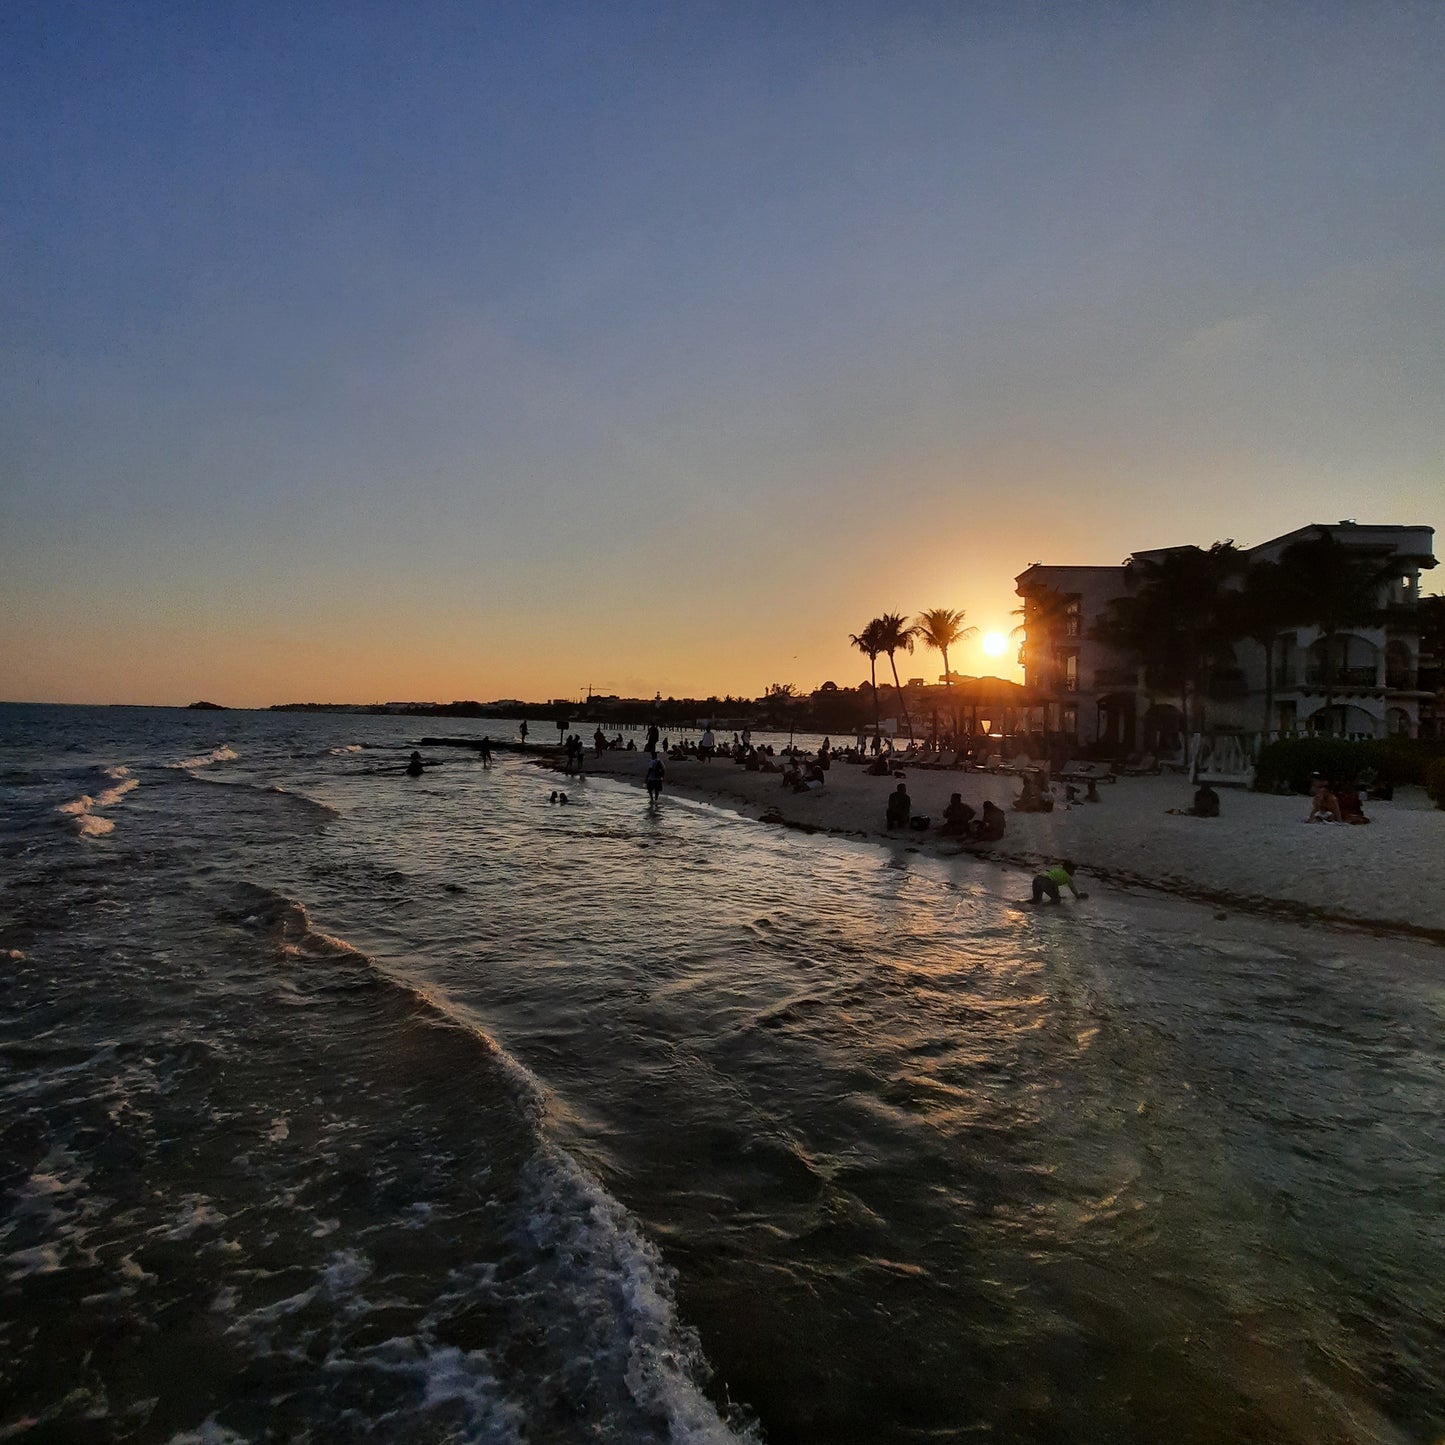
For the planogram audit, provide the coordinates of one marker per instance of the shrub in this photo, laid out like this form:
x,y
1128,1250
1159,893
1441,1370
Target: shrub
x,y
1435,781
1286,765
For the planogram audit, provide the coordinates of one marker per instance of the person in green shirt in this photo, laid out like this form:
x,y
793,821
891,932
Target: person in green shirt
x,y
1048,884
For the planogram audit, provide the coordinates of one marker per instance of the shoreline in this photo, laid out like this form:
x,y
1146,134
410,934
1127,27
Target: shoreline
x,y
1320,874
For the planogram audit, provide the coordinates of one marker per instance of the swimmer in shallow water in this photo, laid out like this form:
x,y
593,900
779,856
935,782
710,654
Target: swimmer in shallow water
x,y
415,767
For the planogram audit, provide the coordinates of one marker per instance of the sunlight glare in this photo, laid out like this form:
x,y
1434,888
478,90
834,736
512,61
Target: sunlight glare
x,y
994,644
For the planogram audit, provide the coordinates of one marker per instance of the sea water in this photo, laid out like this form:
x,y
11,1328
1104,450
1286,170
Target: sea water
x,y
339,1104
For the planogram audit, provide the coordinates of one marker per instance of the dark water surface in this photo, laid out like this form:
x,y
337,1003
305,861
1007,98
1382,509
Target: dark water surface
x,y
339,1105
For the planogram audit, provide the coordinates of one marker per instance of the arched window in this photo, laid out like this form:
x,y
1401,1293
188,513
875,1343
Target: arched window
x,y
1342,661
1399,673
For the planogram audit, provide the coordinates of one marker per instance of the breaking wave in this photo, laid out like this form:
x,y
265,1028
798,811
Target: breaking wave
x,y
223,754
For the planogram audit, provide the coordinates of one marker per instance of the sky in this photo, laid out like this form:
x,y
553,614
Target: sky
x,y
364,352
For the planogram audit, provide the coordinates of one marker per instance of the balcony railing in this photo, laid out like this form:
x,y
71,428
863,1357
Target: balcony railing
x,y
1341,677
1401,681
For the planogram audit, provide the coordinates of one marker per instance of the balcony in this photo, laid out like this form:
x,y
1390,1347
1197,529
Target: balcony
x,y
1342,677
1401,680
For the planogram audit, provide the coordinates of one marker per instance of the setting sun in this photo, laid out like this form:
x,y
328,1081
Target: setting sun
x,y
994,643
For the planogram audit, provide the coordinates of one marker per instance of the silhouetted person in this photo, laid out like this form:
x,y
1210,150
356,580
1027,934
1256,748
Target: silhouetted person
x,y
415,767
990,826
900,805
956,817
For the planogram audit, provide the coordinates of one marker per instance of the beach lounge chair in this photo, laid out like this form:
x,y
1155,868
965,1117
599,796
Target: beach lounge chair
x,y
1080,771
1139,765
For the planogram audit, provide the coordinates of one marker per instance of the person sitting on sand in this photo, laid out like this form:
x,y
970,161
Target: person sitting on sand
x,y
991,823
1033,799
956,817
900,805
1324,806
1205,804
1351,809
415,767
1048,884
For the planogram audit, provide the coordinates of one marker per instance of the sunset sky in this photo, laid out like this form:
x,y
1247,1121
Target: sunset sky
x,y
355,352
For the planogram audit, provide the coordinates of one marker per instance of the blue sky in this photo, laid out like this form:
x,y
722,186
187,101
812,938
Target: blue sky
x,y
356,352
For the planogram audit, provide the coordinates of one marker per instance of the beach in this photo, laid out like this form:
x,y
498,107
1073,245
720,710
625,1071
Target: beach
x,y
1259,854
352,1104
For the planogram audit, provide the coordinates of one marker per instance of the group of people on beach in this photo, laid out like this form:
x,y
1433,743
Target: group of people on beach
x,y
960,819
1335,802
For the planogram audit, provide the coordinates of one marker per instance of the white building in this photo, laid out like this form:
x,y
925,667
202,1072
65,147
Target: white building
x,y
1085,689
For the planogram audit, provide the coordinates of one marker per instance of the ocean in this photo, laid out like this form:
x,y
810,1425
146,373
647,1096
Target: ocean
x,y
344,1105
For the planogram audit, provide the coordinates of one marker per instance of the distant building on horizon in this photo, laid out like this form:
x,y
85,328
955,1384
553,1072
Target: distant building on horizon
x,y
1090,691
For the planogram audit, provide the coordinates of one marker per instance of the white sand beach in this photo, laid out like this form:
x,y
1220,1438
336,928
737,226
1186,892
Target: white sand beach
x,y
1259,854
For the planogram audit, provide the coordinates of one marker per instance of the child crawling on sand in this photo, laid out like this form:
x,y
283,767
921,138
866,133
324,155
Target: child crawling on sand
x,y
1048,884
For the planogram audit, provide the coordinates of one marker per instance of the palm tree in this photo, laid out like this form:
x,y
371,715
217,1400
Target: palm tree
x,y
1045,612
1177,619
897,636
870,641
941,628
1334,589
1263,608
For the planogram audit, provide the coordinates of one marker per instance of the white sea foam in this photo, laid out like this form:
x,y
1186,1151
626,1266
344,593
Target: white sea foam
x,y
223,754
111,796
627,1319
82,809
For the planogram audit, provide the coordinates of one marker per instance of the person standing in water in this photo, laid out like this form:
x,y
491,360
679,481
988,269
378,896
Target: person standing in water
x,y
655,773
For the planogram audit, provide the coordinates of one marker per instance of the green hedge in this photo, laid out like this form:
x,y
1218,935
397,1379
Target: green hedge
x,y
1286,765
